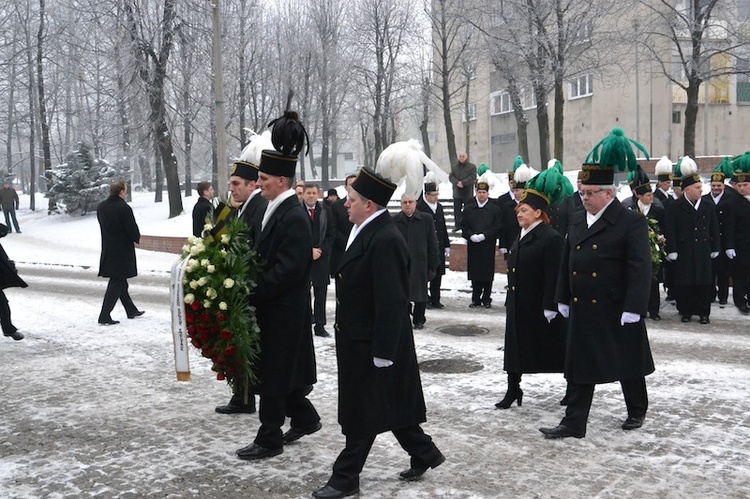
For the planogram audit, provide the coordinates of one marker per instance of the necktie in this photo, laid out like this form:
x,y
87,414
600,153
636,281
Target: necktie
x,y
312,213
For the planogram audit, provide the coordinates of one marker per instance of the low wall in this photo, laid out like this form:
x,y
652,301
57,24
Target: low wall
x,y
458,259
164,244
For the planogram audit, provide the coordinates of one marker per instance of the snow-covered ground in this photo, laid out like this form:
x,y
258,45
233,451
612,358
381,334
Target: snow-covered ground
x,y
96,411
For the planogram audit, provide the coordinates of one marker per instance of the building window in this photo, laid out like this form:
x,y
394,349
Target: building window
x,y
528,98
583,86
676,117
506,138
583,33
472,113
500,103
743,80
348,156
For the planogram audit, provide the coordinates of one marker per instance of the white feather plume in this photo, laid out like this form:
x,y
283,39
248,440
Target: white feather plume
x,y
403,161
524,173
663,166
688,166
251,152
489,178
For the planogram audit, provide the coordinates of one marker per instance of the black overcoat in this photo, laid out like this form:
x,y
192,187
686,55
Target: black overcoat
x,y
200,211
323,236
466,173
421,242
9,278
480,259
533,345
561,214
693,235
605,271
343,227
282,301
372,320
119,235
509,229
441,230
741,264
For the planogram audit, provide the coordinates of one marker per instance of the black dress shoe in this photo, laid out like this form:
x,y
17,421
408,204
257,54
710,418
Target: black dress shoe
x,y
108,322
416,473
685,318
438,305
137,313
474,305
561,431
329,492
633,422
322,333
231,408
655,317
15,335
419,325
253,452
704,319
297,433
744,309
487,305
722,302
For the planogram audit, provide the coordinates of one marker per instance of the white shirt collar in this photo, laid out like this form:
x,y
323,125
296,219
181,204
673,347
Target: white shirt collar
x,y
591,219
358,228
717,198
481,205
645,208
531,227
433,206
272,205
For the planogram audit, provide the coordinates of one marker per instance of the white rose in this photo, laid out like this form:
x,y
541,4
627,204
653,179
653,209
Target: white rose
x,y
193,239
211,293
189,298
211,269
206,303
225,239
228,282
222,305
185,248
193,284
202,281
197,250
223,252
208,226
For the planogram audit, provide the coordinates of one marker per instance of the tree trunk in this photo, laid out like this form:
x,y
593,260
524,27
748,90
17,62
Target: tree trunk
x,y
691,118
542,119
42,105
467,123
558,118
522,121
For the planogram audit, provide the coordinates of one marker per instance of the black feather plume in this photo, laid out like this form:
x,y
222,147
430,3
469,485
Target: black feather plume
x,y
287,133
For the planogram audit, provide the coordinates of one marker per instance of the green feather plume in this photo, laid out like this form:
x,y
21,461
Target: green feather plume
x,y
482,168
677,168
616,150
725,167
552,184
519,161
741,163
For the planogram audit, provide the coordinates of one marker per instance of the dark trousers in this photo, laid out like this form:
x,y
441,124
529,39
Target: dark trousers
x,y
117,289
580,397
741,279
654,298
435,289
720,277
8,215
275,409
693,300
352,459
7,325
319,306
458,205
417,310
481,292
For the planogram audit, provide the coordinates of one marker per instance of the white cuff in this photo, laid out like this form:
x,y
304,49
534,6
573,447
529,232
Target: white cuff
x,y
381,362
549,314
564,310
629,318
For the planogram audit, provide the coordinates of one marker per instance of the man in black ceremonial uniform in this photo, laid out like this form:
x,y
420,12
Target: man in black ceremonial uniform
x,y
429,204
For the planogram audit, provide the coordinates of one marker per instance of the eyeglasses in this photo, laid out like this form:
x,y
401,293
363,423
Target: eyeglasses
x,y
589,193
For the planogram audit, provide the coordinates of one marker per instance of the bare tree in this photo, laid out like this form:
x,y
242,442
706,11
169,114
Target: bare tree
x,y
692,42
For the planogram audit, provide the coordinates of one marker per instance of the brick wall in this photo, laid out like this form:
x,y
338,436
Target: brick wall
x,y
458,259
162,243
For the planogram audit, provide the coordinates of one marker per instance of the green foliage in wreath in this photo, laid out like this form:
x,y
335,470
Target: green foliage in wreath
x,y
657,243
220,275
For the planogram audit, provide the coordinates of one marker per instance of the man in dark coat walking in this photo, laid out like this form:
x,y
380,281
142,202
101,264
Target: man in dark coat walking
x,y
323,235
343,227
8,278
429,204
418,230
603,288
249,207
693,240
481,224
202,206
463,175
741,211
9,203
378,375
119,235
286,368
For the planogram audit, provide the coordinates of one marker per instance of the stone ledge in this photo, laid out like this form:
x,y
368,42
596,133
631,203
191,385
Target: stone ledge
x,y
165,244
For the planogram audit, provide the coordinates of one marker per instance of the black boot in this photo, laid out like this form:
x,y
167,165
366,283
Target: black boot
x,y
514,393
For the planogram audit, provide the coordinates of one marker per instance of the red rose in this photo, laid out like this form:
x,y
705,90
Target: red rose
x,y
220,376
214,328
201,328
225,334
195,305
229,351
221,316
204,317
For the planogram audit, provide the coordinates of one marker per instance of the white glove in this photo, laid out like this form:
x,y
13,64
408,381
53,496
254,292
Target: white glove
x,y
477,238
381,362
549,315
672,257
503,250
714,254
730,254
629,318
447,252
564,310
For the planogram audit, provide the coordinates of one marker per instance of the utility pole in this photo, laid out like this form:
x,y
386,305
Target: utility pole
x,y
222,178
